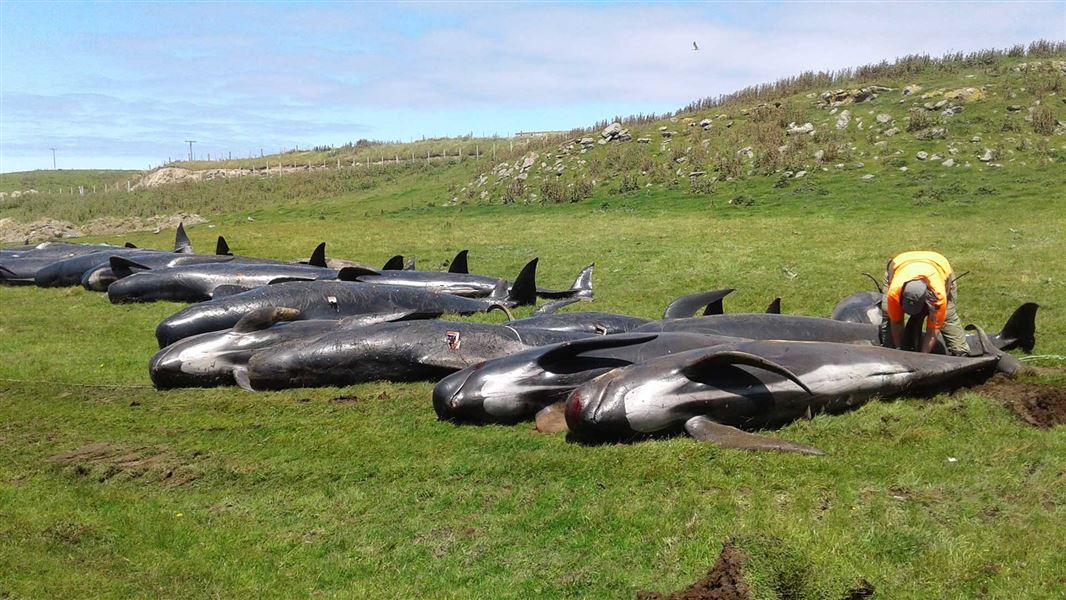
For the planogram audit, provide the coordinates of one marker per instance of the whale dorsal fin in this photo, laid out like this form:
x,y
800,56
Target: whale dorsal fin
x,y
129,245
318,257
775,307
724,436
459,263
686,306
393,264
222,248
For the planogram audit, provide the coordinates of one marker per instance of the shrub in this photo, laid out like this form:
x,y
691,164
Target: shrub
x,y
918,119
1044,120
628,183
702,185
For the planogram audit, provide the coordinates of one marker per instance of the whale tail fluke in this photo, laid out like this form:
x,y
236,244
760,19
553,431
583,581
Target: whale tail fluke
x,y
582,286
182,244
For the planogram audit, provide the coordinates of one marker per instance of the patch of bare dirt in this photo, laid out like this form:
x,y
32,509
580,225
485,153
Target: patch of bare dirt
x,y
40,230
864,590
50,229
104,461
1040,405
725,580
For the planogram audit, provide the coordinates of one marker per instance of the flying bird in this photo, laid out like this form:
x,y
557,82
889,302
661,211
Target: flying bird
x,y
695,48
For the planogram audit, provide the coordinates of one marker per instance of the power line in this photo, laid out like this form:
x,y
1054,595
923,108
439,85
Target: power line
x,y
53,158
190,142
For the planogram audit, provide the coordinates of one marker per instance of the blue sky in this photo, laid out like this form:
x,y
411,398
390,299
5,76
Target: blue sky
x,y
122,84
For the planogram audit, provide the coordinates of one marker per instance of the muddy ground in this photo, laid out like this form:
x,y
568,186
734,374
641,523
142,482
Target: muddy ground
x,y
1040,405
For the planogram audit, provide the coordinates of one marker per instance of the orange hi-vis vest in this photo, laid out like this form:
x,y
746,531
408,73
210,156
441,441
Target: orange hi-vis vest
x,y
929,266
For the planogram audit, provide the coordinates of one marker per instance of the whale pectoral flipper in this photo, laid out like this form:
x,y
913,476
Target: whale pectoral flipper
x,y
716,358
228,290
265,317
724,436
240,375
552,418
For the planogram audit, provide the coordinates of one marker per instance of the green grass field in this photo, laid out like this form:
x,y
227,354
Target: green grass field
x,y
109,488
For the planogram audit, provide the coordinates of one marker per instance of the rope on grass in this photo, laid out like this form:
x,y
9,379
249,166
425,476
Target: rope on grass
x,y
84,385
1043,357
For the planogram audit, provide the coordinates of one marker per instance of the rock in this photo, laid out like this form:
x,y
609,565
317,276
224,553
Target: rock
x,y
967,94
666,133
696,174
819,155
529,161
586,141
951,111
933,133
844,119
662,128
794,129
746,151
949,162
891,132
922,155
603,141
706,123
800,174
1018,108
868,177
911,89
976,139
643,140
884,118
612,131
987,155
882,145
935,157
940,104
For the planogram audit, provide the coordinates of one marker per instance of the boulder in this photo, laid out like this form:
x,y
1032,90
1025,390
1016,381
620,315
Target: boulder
x,y
884,118
844,119
794,129
949,162
987,155
922,155
933,133
911,89
819,155
891,132
967,94
643,140
611,131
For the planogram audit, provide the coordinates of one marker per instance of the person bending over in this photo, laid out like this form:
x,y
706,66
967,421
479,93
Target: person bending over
x,y
922,283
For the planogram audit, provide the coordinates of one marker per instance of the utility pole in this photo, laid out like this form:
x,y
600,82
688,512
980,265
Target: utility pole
x,y
53,158
190,143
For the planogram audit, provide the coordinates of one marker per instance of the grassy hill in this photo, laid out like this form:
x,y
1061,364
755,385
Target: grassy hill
x,y
109,488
